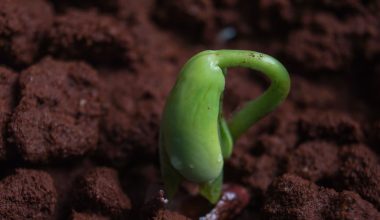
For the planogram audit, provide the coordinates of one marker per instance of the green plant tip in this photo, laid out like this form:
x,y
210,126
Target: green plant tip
x,y
194,137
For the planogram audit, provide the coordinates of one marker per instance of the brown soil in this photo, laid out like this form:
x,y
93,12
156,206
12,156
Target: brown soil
x,y
83,85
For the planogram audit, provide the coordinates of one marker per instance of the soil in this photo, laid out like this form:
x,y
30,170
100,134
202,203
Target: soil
x,y
83,85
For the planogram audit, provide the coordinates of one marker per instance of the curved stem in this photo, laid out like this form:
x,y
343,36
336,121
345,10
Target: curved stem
x,y
256,109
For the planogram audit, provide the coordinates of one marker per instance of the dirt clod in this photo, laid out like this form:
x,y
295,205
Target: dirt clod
x,y
58,113
27,194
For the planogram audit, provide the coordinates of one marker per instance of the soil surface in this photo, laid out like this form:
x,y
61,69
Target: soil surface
x,y
83,84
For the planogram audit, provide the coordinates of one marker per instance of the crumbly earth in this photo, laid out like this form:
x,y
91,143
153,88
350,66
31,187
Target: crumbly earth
x,y
87,35
99,189
23,25
58,113
27,194
83,85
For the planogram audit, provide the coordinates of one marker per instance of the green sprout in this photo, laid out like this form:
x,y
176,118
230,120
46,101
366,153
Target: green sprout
x,y
194,137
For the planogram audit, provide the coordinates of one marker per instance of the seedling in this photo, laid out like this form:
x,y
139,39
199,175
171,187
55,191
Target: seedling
x,y
195,139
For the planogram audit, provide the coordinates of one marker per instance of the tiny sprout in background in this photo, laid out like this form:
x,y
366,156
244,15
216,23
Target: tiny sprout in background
x,y
194,136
